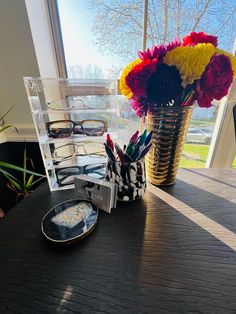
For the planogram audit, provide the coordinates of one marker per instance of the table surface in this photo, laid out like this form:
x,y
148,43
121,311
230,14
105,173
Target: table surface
x,y
173,254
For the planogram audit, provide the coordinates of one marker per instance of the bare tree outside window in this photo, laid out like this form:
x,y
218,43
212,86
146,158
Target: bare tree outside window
x,y
117,24
89,71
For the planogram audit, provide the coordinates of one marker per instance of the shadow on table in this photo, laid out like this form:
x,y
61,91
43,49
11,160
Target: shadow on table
x,y
214,206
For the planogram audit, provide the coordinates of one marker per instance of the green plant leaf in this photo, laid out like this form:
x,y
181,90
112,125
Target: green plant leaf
x,y
6,173
5,127
10,166
14,183
24,166
36,181
29,182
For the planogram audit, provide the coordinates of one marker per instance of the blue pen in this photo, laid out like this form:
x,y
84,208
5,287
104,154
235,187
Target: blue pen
x,y
148,138
142,138
144,151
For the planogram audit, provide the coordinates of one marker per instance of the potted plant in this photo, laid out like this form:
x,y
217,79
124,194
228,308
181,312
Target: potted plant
x,y
24,187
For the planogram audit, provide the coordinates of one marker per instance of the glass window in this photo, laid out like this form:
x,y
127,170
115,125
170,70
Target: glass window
x,y
101,37
234,163
96,37
199,137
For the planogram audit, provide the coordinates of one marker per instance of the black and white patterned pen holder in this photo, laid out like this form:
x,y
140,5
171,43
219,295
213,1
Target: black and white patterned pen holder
x,y
130,178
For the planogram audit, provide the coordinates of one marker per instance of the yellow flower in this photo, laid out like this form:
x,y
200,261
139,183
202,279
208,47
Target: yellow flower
x,y
232,58
124,88
190,61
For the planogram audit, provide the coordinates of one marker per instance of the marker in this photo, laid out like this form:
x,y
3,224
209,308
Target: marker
x,y
109,153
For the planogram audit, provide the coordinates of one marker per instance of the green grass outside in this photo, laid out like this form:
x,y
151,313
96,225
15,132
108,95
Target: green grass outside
x,y
195,156
202,123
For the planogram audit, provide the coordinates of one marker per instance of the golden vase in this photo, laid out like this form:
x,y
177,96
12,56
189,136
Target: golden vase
x,y
169,126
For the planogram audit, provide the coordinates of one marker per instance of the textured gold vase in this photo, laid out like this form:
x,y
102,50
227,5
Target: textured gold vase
x,y
169,126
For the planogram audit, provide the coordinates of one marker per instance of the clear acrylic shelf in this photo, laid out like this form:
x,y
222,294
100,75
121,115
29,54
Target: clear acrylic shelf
x,y
70,100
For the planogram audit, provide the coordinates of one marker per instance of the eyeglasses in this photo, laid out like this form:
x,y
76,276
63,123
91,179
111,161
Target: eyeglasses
x,y
92,102
64,128
61,104
66,176
90,149
89,102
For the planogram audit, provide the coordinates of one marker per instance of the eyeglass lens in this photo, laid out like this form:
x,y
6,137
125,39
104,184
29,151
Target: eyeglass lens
x,y
64,128
66,176
92,101
90,149
93,127
61,128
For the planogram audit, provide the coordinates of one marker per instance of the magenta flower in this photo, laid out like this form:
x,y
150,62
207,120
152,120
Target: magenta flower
x,y
140,106
158,52
137,78
215,81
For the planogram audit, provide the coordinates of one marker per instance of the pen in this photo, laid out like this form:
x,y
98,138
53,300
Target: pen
x,y
109,152
142,138
148,138
134,137
120,153
144,151
110,142
130,149
136,152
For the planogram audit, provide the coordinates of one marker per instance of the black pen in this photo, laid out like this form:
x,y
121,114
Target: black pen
x,y
109,152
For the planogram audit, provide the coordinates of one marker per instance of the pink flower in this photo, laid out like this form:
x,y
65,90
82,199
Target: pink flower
x,y
196,38
158,52
215,81
140,106
138,77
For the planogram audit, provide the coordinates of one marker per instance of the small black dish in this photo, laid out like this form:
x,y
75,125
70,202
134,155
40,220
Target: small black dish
x,y
69,221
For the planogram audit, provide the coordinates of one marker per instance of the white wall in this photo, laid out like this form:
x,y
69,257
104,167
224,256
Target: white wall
x,y
17,59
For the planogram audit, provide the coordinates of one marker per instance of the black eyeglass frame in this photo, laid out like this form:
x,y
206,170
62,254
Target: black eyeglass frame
x,y
83,168
73,128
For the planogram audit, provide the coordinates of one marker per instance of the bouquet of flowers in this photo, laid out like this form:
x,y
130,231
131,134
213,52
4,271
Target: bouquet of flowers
x,y
179,73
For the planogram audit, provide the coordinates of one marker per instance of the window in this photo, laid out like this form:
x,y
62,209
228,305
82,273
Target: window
x,y
100,37
90,32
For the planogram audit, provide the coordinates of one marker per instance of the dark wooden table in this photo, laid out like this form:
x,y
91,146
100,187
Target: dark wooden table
x,y
149,256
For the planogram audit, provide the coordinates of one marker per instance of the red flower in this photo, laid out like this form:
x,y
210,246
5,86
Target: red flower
x,y
215,81
137,78
196,38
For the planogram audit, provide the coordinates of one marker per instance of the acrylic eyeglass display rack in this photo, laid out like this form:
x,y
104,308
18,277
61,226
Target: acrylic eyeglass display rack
x,y
72,118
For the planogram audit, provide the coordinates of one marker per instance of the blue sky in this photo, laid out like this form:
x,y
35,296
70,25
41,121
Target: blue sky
x,y
76,23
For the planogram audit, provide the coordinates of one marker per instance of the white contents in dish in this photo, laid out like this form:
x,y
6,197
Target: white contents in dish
x,y
73,215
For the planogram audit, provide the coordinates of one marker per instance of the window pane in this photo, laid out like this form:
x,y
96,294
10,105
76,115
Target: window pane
x,y
234,163
96,36
199,136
